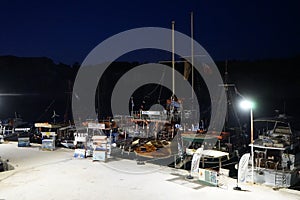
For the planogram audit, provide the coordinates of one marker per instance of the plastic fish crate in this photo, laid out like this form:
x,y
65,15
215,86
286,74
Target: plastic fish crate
x,y
23,142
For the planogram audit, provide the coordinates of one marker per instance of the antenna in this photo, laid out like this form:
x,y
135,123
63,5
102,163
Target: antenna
x,y
192,51
173,59
54,116
132,105
226,67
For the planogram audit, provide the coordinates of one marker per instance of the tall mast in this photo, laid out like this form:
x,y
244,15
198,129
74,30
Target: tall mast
x,y
173,59
192,52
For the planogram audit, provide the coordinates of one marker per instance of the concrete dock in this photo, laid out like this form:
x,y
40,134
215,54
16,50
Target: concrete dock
x,y
58,175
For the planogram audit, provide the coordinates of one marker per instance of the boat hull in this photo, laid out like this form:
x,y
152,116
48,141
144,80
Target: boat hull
x,y
274,178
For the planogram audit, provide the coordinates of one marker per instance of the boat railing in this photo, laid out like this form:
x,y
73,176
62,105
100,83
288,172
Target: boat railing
x,y
282,130
150,115
262,163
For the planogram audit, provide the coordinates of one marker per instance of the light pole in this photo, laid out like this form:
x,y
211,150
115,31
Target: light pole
x,y
245,104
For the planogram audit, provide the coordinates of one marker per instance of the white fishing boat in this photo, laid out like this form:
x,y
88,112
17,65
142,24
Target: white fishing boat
x,y
276,153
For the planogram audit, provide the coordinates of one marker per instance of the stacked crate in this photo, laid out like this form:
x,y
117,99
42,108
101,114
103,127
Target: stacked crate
x,y
99,148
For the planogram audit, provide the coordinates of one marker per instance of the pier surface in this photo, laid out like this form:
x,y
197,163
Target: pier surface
x,y
57,175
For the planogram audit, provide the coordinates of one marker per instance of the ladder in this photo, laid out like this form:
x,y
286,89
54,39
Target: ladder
x,y
279,180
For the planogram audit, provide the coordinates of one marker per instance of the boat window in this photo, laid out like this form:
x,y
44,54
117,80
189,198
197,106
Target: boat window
x,y
282,124
264,127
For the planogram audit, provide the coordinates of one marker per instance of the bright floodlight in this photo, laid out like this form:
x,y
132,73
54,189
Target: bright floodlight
x,y
246,104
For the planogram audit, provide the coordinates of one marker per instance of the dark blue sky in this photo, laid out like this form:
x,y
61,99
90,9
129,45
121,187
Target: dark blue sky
x,y
67,31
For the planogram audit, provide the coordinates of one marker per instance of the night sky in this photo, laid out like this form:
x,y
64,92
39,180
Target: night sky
x,y
66,31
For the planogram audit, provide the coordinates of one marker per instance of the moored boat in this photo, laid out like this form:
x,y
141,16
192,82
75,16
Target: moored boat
x,y
276,152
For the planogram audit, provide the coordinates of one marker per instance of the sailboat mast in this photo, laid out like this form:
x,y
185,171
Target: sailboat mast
x,y
173,59
192,51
